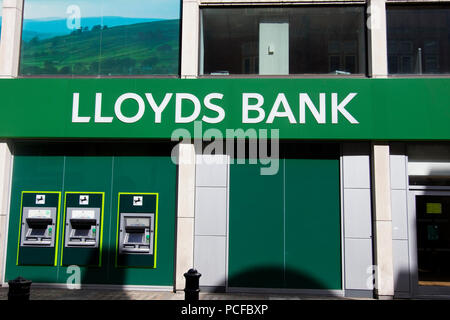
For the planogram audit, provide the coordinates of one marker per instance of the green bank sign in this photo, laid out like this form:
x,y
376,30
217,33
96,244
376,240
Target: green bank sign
x,y
385,109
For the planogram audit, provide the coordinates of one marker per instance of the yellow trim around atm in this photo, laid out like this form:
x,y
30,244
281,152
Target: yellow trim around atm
x,y
100,246
156,224
57,223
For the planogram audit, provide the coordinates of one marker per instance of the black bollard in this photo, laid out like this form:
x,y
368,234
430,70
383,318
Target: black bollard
x,y
19,289
192,289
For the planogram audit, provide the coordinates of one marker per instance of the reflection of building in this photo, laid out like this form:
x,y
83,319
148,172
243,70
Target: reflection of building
x,y
352,201
418,41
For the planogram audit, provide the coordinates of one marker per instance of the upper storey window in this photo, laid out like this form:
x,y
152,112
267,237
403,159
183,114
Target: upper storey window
x,y
100,37
418,39
282,41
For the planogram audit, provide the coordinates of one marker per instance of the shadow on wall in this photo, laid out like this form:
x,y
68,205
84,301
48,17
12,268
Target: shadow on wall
x,y
273,279
93,277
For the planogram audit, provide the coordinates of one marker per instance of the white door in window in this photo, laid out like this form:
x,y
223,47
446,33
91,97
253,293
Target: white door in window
x,y
274,48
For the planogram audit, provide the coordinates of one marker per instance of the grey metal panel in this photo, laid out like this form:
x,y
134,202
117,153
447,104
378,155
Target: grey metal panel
x,y
358,263
359,293
356,165
209,260
210,211
211,170
398,171
399,214
357,213
401,265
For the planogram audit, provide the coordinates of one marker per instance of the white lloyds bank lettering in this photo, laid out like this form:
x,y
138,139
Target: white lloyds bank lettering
x,y
98,111
249,104
118,108
75,110
179,118
281,100
305,100
188,108
335,107
246,107
158,109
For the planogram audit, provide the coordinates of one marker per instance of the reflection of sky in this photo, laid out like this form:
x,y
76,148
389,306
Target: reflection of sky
x,y
160,9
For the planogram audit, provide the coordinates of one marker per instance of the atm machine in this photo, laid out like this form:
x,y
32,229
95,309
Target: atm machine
x,y
136,233
38,228
82,229
137,218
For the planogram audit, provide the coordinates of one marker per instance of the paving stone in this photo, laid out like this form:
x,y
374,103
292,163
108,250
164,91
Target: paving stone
x,y
91,294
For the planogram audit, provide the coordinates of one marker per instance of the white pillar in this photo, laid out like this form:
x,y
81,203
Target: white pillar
x,y
189,41
377,41
185,213
5,180
11,34
382,221
9,68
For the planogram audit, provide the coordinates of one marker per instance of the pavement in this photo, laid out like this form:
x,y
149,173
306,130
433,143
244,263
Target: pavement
x,y
105,294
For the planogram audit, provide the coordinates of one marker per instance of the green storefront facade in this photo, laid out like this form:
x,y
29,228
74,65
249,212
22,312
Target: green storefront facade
x,y
110,137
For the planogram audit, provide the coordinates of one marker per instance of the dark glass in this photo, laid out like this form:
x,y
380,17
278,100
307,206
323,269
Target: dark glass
x,y
418,39
322,40
433,239
81,232
100,37
135,237
37,232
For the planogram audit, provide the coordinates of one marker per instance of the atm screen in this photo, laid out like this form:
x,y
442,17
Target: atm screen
x,y
138,222
81,232
135,237
37,232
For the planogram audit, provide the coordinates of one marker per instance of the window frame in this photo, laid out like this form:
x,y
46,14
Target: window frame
x,y
225,5
421,4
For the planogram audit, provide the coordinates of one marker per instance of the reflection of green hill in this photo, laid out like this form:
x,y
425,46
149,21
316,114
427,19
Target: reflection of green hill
x,y
143,48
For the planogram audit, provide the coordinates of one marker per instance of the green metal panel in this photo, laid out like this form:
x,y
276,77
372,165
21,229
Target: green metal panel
x,y
96,168
313,225
143,174
385,109
35,173
256,228
285,229
80,256
39,255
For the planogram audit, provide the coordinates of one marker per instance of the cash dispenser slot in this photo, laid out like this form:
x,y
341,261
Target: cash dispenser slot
x,y
39,232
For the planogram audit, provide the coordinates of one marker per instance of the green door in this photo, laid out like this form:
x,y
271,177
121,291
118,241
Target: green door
x,y
285,229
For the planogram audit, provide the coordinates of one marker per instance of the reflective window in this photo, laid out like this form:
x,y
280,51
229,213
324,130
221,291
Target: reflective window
x,y
418,39
277,41
100,37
